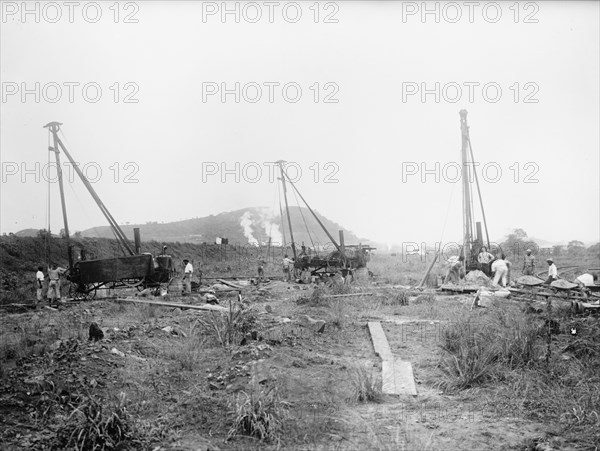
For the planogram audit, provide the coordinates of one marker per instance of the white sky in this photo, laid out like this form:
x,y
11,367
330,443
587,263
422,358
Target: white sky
x,y
369,133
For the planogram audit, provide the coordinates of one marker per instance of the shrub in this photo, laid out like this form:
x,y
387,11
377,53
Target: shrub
x,y
469,355
338,313
365,387
260,414
397,298
91,427
229,327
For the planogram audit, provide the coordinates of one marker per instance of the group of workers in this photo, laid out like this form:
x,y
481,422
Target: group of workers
x,y
487,263
500,268
54,274
188,272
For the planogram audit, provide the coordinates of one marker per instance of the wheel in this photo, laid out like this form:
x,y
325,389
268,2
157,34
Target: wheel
x,y
76,291
82,292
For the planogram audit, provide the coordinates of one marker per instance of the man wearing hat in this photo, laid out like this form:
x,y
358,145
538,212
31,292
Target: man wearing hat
x,y
187,276
552,272
528,263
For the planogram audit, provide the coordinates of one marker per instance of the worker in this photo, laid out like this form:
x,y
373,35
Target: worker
x,y
552,272
485,258
39,282
500,270
54,274
347,275
454,270
261,270
528,264
288,266
187,277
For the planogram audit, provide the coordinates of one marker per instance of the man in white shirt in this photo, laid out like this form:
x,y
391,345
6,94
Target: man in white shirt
x,y
484,258
39,282
187,276
552,272
500,270
288,267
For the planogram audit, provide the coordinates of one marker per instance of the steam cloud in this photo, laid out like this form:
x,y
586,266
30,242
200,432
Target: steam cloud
x,y
246,223
271,229
265,221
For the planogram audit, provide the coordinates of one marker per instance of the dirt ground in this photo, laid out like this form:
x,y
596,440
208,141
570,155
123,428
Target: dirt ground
x,y
169,379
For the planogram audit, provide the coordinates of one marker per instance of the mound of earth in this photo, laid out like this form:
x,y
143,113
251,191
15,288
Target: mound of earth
x,y
477,278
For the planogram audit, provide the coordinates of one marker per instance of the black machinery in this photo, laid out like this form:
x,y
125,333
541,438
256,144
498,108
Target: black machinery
x,y
344,257
134,269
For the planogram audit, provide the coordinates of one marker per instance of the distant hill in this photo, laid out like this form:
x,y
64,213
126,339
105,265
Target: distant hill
x,y
247,226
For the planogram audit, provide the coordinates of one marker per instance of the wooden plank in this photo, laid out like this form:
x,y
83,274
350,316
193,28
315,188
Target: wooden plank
x,y
347,295
380,343
230,284
396,374
459,288
216,308
398,377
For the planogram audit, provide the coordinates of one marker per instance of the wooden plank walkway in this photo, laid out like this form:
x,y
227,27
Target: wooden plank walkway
x,y
397,374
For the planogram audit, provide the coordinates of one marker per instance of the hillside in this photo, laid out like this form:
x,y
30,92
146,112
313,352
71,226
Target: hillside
x,y
246,226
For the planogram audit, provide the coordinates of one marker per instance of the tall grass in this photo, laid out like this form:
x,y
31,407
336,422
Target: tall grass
x,y
228,328
478,348
94,426
365,387
259,414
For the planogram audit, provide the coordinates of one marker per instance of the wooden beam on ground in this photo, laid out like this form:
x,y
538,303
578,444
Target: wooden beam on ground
x,y
459,288
398,377
380,343
347,295
215,308
396,374
21,306
230,284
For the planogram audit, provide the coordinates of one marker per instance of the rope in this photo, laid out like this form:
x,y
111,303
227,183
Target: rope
x,y
447,212
46,240
281,216
304,220
273,215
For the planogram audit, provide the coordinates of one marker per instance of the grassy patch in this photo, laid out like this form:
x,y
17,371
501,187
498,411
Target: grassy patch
x,y
365,387
259,414
93,426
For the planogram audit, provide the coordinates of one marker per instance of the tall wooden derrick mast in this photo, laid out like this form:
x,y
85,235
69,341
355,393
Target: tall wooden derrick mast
x,y
472,242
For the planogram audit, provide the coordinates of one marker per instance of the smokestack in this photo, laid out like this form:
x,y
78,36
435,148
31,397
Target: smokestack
x,y
137,241
342,247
